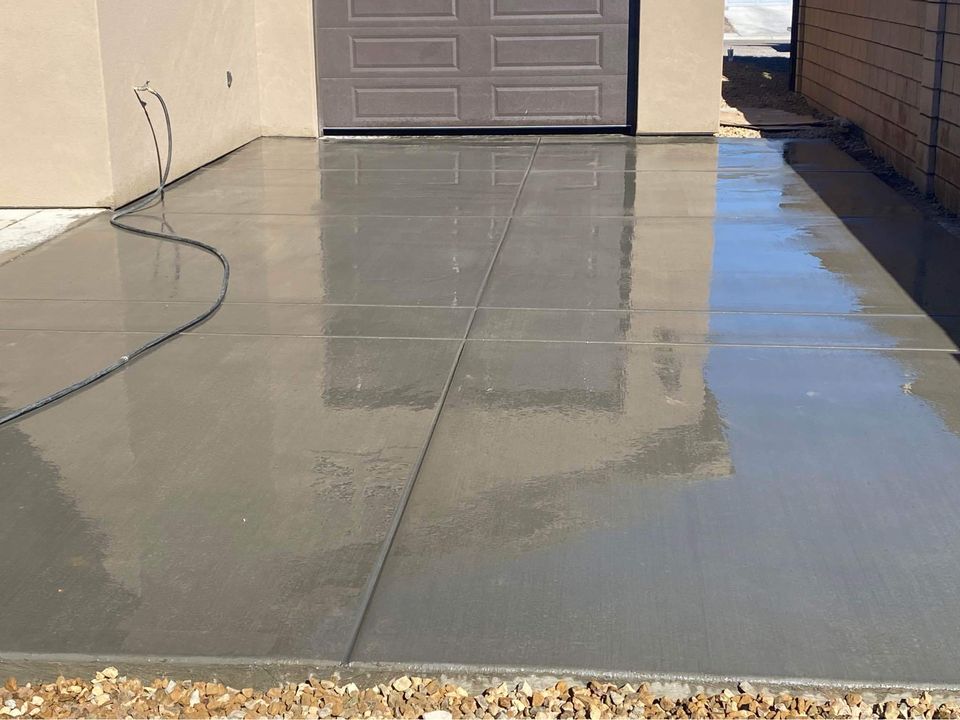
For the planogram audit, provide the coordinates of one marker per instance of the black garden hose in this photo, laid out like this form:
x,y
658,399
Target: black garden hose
x,y
115,220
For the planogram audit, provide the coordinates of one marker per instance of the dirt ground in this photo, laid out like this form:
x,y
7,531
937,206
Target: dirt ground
x,y
761,82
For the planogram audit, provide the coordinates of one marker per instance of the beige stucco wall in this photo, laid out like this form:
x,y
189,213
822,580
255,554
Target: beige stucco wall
x,y
285,56
680,66
53,141
184,48
72,133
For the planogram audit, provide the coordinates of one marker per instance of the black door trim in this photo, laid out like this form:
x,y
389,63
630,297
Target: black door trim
x,y
498,130
633,66
633,58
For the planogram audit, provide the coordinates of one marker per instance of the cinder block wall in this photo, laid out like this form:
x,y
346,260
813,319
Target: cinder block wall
x,y
946,180
892,67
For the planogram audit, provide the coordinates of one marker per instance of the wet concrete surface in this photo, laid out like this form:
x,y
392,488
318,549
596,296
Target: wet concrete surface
x,y
706,418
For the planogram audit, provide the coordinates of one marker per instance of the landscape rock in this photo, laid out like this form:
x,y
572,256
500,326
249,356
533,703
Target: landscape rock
x,y
110,694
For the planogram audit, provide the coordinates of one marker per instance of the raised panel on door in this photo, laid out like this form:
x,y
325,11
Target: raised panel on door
x,y
473,52
475,102
476,63
558,11
469,13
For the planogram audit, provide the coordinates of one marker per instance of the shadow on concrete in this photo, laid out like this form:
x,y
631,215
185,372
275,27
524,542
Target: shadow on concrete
x,y
922,256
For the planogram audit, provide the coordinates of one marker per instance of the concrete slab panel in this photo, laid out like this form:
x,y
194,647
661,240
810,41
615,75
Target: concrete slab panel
x,y
298,319
383,153
673,327
738,511
707,194
767,265
225,496
628,155
707,418
429,193
364,260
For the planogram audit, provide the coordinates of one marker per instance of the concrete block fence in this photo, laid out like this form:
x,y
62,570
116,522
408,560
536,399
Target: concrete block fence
x,y
892,67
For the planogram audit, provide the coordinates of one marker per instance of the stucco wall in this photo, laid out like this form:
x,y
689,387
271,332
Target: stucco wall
x,y
53,141
72,133
288,81
185,49
680,67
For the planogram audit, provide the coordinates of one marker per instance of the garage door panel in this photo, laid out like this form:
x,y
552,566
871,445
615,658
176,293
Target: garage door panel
x,y
560,11
360,11
473,52
466,13
474,102
476,63
580,49
406,104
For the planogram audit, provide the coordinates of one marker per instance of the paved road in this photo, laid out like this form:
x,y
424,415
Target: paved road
x,y
759,19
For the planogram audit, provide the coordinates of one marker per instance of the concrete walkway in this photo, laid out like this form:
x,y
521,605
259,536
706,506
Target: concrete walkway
x,y
24,228
657,408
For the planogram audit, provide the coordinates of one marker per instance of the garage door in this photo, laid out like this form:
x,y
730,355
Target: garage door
x,y
472,63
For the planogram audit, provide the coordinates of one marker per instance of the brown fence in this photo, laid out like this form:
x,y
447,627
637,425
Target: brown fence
x,y
892,67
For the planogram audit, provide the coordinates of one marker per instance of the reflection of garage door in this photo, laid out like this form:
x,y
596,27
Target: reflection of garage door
x,y
472,63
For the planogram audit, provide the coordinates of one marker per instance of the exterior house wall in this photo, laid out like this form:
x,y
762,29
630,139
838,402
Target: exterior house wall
x,y
288,77
680,66
185,49
878,64
77,137
53,139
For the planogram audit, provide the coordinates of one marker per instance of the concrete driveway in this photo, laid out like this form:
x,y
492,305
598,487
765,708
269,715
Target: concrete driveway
x,y
647,407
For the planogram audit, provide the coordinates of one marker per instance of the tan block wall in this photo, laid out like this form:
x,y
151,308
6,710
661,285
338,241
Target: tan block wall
x,y
873,62
53,140
862,60
946,184
680,66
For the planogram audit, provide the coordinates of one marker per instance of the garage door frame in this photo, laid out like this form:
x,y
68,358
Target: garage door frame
x,y
633,56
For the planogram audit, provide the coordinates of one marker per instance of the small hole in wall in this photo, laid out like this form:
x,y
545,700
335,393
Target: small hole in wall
x,y
229,79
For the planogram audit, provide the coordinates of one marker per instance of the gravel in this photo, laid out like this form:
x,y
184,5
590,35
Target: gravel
x,y
109,694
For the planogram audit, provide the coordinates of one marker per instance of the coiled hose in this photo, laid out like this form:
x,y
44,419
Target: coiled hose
x,y
115,220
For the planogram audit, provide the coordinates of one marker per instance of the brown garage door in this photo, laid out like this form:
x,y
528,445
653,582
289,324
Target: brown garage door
x,y
472,63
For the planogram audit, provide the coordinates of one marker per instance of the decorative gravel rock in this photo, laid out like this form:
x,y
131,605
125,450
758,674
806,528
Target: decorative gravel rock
x,y
109,694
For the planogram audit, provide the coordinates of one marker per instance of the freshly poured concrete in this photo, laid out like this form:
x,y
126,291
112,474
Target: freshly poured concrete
x,y
706,418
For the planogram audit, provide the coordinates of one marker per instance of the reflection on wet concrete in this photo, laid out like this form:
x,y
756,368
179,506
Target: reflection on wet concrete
x,y
237,509
709,409
40,519
808,504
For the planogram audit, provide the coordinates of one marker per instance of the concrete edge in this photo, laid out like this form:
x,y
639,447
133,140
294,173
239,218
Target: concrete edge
x,y
43,235
263,672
